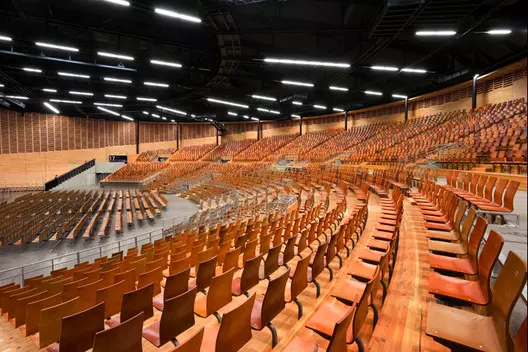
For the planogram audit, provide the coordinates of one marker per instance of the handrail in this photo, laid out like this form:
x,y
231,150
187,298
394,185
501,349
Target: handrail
x,y
67,175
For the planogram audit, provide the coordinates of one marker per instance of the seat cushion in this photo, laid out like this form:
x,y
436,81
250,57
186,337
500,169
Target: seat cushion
x,y
453,287
209,338
369,255
235,286
324,319
439,226
387,236
151,333
362,270
457,265
494,207
200,305
349,290
447,247
386,228
378,244
443,235
432,218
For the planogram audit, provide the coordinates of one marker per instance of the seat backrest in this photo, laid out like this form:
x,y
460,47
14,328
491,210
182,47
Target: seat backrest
x,y
466,226
338,340
289,250
274,302
487,260
179,265
151,277
480,186
137,301
488,191
499,190
506,292
205,273
87,294
33,310
302,243
271,263
231,259
235,329
250,250
112,297
362,308
50,321
140,266
331,250
78,330
318,262
129,277
521,341
219,293
177,316
176,284
157,263
300,277
512,188
476,237
250,274
461,207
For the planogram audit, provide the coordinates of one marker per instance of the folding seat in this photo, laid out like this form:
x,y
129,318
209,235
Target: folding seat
x,y
507,206
175,285
177,317
289,251
218,296
140,266
475,292
50,321
366,269
456,234
177,265
134,302
129,277
233,332
467,266
249,278
22,303
192,344
271,262
112,297
12,291
12,299
449,225
458,247
204,275
78,330
459,326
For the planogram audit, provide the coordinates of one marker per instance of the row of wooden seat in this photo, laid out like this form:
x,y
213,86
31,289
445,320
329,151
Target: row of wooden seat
x,y
264,147
192,153
229,150
135,172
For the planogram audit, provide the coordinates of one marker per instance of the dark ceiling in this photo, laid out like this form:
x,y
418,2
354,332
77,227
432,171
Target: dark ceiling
x,y
222,57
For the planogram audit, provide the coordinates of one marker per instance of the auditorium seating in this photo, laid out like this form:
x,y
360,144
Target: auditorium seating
x,y
264,147
135,172
229,150
299,148
192,153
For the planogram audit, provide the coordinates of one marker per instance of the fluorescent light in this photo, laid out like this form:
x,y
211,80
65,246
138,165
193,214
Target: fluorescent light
x,y
111,79
246,117
343,89
297,116
218,101
80,93
52,108
171,110
116,56
20,97
321,107
178,15
66,101
156,116
29,69
193,115
108,111
338,109
5,39
156,84
499,31
306,63
76,75
127,118
232,113
59,47
261,109
112,96
435,33
109,104
163,118
146,99
165,63
369,92
295,83
254,119
399,96
413,70
384,68
262,97
49,90
1,85
269,111
118,2
145,113
297,103
173,121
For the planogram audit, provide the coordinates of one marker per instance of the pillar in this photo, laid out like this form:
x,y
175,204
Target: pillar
x,y
300,126
406,109
474,93
137,136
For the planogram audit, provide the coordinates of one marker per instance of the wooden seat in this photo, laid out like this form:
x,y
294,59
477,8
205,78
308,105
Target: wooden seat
x,y
50,321
88,293
192,344
177,317
484,333
233,332
32,319
218,296
249,278
204,275
317,265
265,310
151,277
476,292
135,302
175,285
112,297
22,303
129,277
299,281
126,337
271,263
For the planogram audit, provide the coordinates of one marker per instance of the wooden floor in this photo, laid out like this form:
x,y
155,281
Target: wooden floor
x,y
402,318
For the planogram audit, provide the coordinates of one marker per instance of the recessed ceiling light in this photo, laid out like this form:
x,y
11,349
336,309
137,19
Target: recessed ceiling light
x,y
20,97
297,103
119,2
156,84
109,104
58,47
177,15
320,107
146,99
112,96
499,31
29,69
49,90
165,63
399,96
52,108
218,101
414,70
436,33
171,110
119,80
370,92
5,39
384,68
262,97
342,89
80,93
296,83
76,75
115,56
306,63
66,101
108,111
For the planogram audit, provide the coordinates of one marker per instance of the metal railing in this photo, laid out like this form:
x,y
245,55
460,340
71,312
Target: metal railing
x,y
66,176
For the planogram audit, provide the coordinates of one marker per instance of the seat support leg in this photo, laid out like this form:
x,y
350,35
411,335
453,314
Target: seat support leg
x,y
274,337
299,308
359,342
376,314
317,289
218,317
